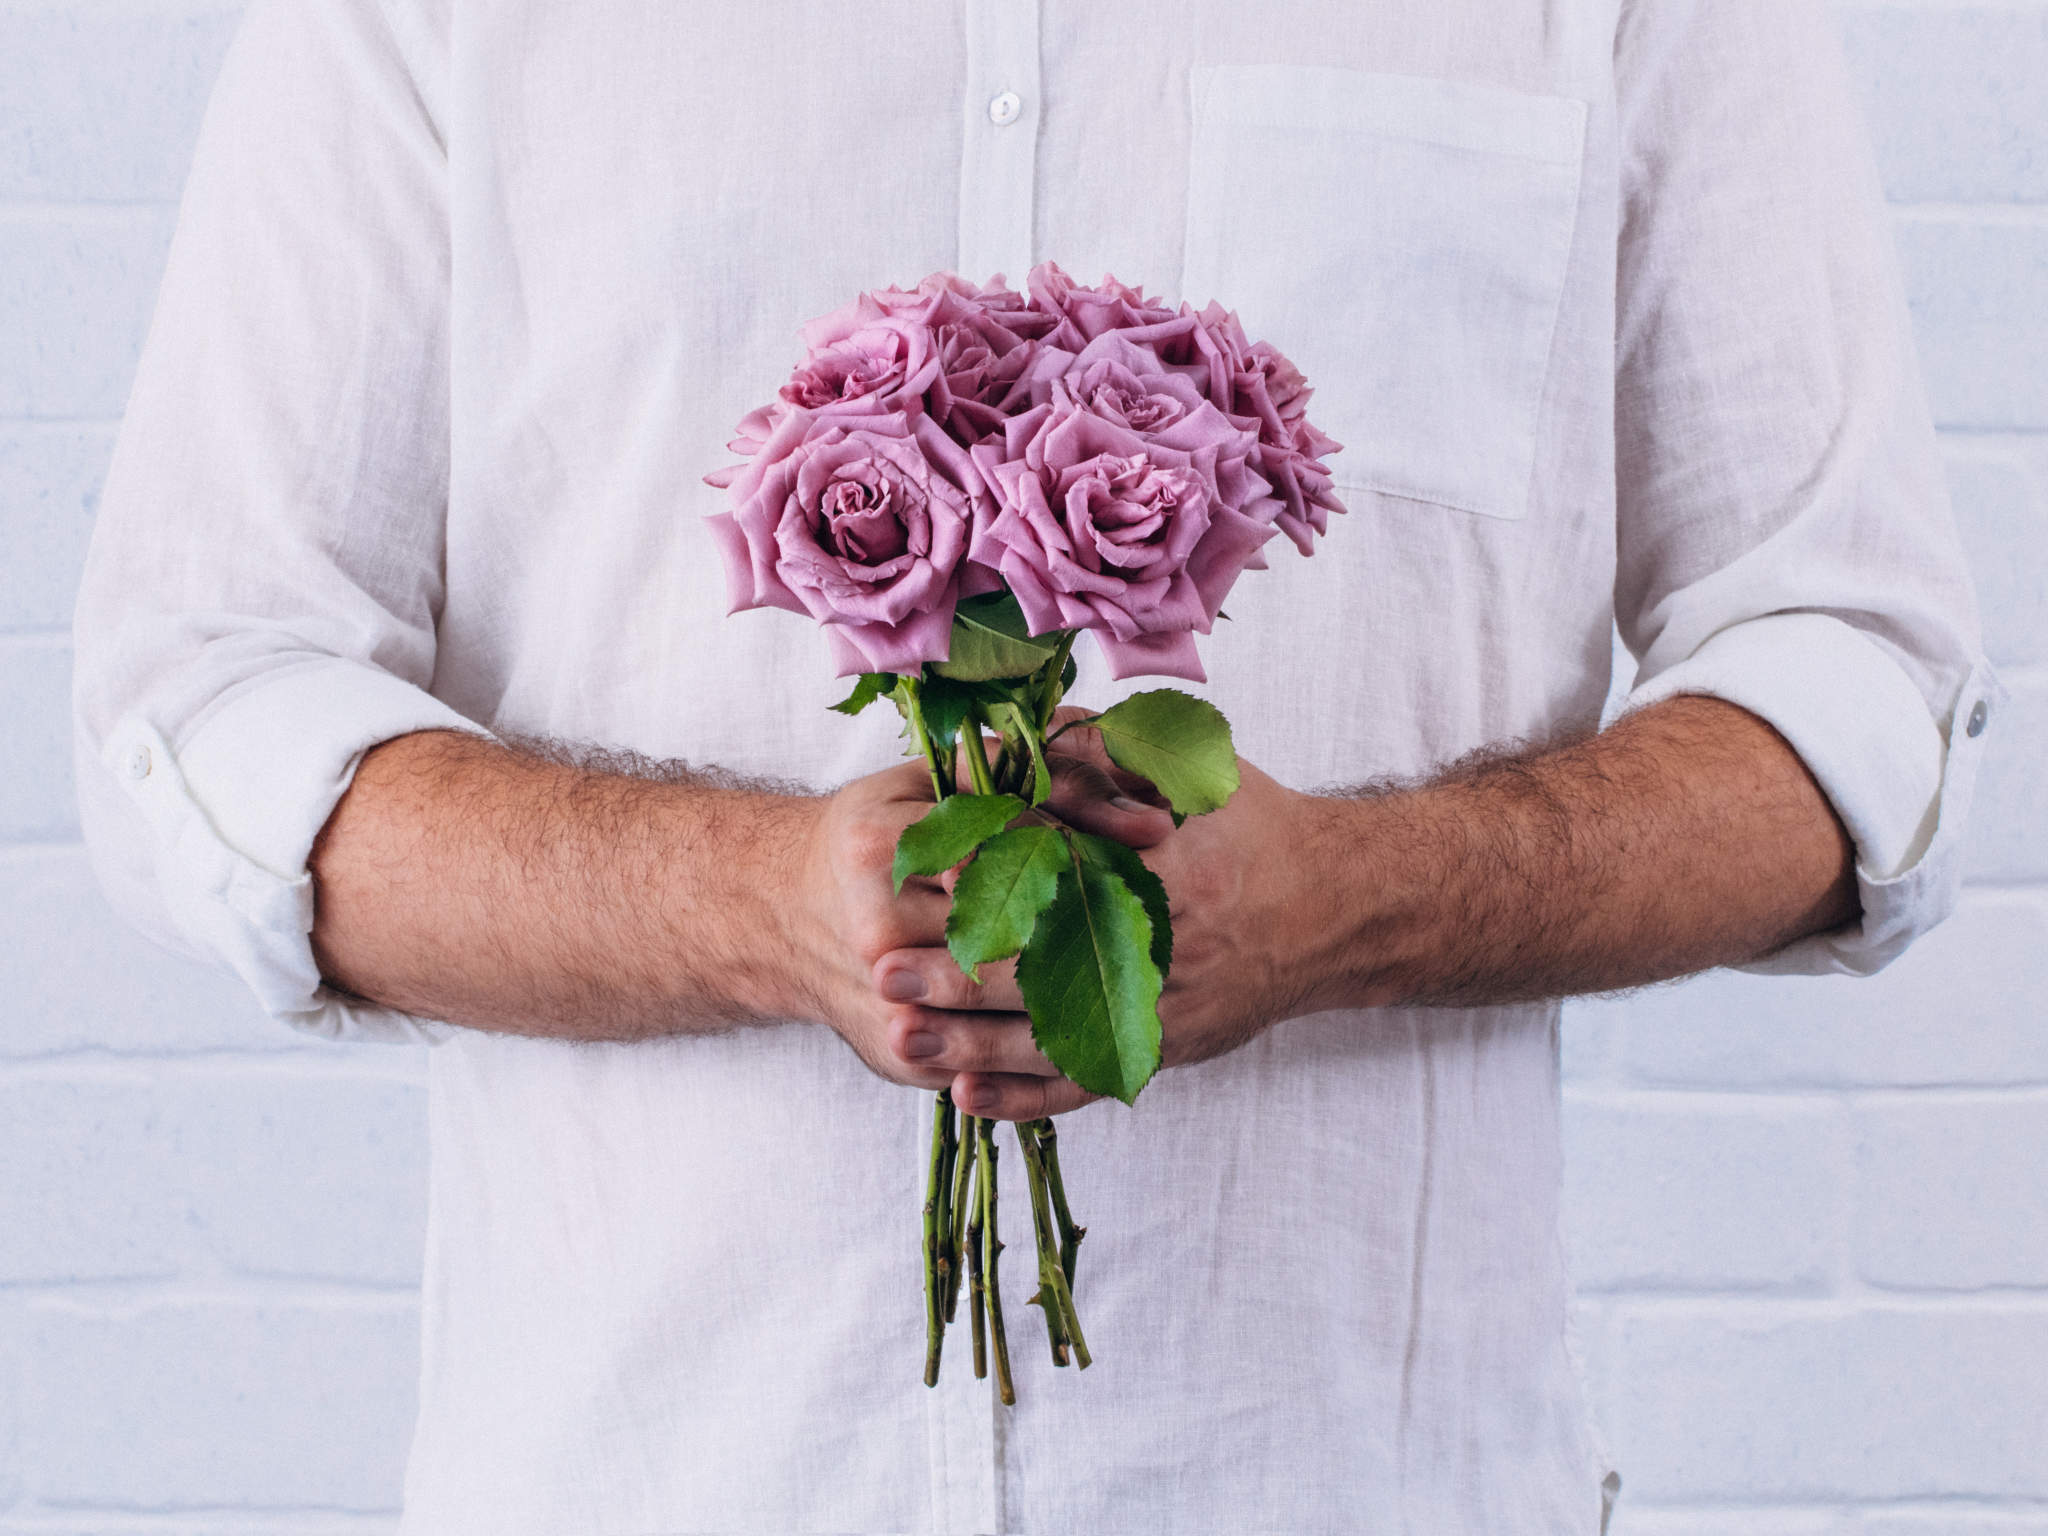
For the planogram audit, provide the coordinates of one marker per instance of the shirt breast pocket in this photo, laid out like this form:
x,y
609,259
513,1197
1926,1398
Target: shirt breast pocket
x,y
1404,240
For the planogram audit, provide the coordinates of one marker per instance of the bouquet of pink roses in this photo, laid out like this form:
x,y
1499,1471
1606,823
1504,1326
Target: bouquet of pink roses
x,y
956,482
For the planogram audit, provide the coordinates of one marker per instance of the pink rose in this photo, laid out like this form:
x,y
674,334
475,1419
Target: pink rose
x,y
876,354
984,352
1136,535
1126,381
944,346
1086,313
860,522
1252,379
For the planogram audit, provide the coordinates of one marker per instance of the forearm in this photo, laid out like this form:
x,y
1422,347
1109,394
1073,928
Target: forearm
x,y
1686,836
501,889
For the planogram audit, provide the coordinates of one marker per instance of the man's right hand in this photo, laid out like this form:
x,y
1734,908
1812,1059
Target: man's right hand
x,y
844,914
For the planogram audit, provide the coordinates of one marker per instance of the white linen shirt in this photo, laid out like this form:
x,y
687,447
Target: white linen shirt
x,y
464,300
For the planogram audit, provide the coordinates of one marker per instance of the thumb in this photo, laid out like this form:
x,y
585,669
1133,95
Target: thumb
x,y
1088,799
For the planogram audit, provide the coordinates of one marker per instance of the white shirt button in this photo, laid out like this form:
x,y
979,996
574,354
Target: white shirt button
x,y
1005,109
138,763
1978,717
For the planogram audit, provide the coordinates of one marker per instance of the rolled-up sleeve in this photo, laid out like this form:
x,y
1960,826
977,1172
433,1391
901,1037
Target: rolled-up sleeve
x,y
260,598
1784,539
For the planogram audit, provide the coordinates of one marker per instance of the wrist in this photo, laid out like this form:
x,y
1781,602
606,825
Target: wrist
x,y
745,911
1362,910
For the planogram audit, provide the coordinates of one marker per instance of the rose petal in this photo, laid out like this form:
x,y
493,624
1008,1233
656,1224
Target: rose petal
x,y
1168,655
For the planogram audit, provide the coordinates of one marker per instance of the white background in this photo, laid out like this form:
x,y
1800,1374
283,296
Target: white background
x,y
1810,1218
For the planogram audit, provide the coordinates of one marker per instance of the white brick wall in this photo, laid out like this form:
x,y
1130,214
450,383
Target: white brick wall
x,y
1810,1217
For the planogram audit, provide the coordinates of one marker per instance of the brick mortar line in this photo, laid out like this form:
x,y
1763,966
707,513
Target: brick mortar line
x,y
38,210
122,1069
122,1301
53,1520
2009,215
35,639
37,1516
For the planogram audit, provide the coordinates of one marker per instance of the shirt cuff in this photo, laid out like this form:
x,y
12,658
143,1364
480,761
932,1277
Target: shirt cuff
x,y
233,811
1899,776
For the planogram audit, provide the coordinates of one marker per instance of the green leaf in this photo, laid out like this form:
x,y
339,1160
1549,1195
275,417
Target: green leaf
x,y
950,831
1179,742
1089,982
872,686
1000,895
1124,862
945,706
991,640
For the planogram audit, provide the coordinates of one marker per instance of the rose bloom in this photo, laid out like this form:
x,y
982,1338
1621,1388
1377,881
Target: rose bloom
x,y
862,522
1252,379
1085,313
944,346
987,353
1136,535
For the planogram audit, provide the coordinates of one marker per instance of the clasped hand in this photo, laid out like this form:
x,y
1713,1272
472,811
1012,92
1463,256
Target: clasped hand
x,y
1239,902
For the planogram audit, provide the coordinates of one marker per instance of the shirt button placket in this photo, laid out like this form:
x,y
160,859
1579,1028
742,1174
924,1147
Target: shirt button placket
x,y
1000,101
999,148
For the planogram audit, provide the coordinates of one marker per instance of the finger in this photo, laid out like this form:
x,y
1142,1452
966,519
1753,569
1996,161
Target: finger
x,y
999,1096
1086,746
904,781
1086,797
913,919
932,1040
931,977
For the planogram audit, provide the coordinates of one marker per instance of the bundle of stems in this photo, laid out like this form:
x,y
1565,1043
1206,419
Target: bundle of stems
x,y
961,1246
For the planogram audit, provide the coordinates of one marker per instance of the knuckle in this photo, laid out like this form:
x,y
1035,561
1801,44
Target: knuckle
x,y
975,1051
867,843
871,937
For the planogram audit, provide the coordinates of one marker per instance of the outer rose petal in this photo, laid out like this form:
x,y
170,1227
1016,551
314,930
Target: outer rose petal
x,y
977,580
1231,547
1168,655
748,583
901,647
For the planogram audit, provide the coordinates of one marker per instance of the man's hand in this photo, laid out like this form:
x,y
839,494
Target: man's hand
x,y
1236,914
1688,835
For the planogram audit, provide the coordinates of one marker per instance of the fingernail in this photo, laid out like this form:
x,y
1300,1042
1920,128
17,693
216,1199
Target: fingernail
x,y
921,1045
903,986
981,1098
1126,803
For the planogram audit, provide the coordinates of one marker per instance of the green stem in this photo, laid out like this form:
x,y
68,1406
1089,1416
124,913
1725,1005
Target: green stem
x,y
949,1242
977,1285
1057,1294
963,1188
1051,690
934,1275
1070,1235
913,711
1050,1280
977,756
993,1246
